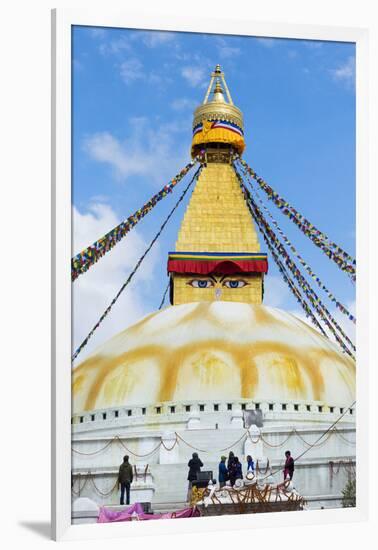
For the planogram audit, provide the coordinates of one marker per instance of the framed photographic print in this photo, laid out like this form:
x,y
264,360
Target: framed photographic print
x,y
206,177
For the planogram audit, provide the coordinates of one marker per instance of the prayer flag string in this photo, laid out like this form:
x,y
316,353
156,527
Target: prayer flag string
x,y
108,309
292,286
338,304
321,309
323,312
89,256
344,261
164,295
318,306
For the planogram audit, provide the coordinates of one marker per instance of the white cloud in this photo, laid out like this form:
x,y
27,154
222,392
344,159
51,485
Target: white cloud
x,y
266,42
187,56
104,147
150,150
225,50
123,43
131,70
98,32
100,198
108,45
346,72
313,44
194,75
183,103
93,291
113,47
347,326
276,291
158,79
156,38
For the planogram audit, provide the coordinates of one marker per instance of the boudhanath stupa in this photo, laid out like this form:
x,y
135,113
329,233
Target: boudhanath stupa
x,y
216,369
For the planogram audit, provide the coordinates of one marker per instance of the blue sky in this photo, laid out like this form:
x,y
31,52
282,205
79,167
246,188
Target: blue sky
x,y
134,93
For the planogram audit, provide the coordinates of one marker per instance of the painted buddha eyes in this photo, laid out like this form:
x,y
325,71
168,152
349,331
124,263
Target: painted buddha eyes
x,y
234,284
208,283
201,283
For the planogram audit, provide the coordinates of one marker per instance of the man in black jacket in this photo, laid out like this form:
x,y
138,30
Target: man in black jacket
x,y
125,478
195,465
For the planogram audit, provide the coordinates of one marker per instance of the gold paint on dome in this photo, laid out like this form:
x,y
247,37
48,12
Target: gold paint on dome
x,y
123,363
200,358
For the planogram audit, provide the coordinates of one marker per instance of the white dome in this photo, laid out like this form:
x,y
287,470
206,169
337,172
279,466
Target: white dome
x,y
214,350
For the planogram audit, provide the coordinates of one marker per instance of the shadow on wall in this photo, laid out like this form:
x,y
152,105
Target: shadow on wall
x,y
41,528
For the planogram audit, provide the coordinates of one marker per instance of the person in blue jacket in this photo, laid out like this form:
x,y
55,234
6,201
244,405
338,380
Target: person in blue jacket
x,y
223,472
250,464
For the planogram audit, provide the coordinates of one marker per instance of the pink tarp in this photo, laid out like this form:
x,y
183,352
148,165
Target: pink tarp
x,y
135,511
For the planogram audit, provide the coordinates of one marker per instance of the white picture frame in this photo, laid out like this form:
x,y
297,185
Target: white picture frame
x,y
62,21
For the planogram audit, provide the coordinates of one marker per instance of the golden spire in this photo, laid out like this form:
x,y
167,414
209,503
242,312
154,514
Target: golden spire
x,y
217,254
218,120
217,228
218,93
217,218
218,77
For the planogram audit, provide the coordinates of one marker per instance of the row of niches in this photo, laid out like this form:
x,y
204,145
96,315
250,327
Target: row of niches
x,y
208,408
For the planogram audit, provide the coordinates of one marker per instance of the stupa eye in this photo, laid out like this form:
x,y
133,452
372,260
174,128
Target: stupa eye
x,y
201,283
234,284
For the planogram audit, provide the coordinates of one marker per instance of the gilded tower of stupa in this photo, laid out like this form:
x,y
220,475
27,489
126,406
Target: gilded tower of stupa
x,y
217,254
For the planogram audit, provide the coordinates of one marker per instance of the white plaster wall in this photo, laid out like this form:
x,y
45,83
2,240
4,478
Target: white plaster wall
x,y
215,433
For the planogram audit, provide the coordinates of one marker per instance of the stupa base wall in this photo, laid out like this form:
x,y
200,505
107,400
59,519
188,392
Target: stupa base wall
x,y
161,456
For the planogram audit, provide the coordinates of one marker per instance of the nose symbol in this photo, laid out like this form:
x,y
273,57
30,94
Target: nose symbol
x,y
218,293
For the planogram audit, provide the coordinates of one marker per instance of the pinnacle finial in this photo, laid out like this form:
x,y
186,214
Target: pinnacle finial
x,y
220,87
218,94
218,120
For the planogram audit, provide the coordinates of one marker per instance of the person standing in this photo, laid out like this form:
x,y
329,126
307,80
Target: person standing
x,y
194,465
223,472
231,457
238,469
125,479
289,466
231,467
250,464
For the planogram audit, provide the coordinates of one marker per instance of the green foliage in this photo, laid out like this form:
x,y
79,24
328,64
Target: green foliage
x,y
349,494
